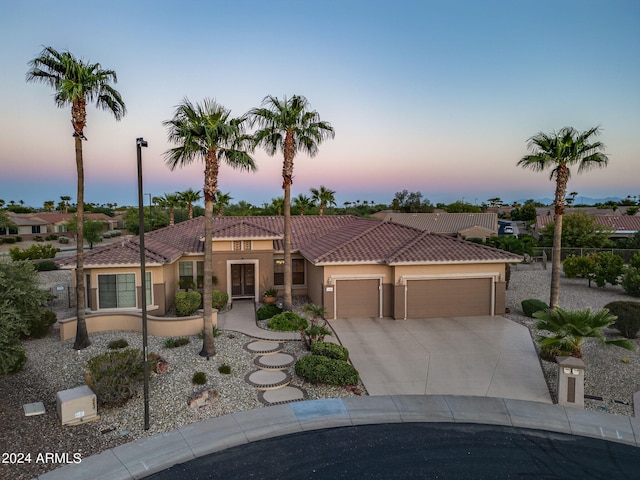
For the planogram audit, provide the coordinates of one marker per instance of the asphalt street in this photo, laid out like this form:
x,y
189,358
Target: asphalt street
x,y
417,450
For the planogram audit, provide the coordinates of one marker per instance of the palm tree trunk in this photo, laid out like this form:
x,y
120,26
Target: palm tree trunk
x,y
209,191
82,335
287,180
556,262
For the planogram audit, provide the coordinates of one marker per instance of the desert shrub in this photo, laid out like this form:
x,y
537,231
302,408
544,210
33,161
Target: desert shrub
x,y
63,240
39,327
51,237
176,342
219,299
316,333
319,369
224,369
9,240
118,344
331,350
115,376
216,332
187,303
287,322
628,321
268,311
38,238
549,353
12,357
574,266
34,252
532,305
631,276
45,265
199,378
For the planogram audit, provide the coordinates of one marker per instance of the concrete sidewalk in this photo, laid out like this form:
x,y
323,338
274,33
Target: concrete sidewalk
x,y
242,318
482,356
150,455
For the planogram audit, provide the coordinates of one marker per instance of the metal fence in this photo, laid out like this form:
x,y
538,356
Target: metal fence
x,y
625,253
61,296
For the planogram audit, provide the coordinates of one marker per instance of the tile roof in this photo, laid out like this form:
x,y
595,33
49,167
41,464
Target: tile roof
x,y
447,223
322,240
618,223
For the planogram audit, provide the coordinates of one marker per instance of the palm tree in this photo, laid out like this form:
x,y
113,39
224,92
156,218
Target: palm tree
x,y
324,197
190,197
222,201
302,202
48,205
207,132
288,126
570,329
64,203
277,204
560,151
77,82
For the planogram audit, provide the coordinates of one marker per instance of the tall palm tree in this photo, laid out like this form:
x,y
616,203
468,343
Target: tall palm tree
x,y
207,132
323,197
277,204
190,197
77,82
289,126
560,151
172,200
222,201
302,202
64,203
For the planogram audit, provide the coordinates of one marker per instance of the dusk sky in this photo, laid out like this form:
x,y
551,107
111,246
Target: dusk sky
x,y
432,96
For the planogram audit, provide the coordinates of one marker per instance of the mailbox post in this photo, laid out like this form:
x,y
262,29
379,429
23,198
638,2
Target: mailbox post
x,y
570,381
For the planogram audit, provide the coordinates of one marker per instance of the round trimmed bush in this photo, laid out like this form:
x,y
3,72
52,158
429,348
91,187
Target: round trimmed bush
x,y
532,306
117,344
319,369
287,322
628,321
199,378
330,350
187,303
268,311
219,299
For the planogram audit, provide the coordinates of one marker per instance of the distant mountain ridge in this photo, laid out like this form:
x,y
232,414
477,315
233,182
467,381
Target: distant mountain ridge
x,y
580,200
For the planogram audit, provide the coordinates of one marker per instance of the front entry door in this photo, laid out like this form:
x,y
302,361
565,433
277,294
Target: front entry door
x,y
243,280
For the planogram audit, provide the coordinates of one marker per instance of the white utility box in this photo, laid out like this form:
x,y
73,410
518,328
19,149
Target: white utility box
x,y
77,405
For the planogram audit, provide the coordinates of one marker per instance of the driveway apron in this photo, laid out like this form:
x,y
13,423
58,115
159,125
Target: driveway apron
x,y
487,356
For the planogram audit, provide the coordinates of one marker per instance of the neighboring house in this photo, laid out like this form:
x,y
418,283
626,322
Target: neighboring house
x,y
354,267
461,225
623,226
47,223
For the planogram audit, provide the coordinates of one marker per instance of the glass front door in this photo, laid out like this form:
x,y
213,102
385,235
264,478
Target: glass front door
x,y
243,280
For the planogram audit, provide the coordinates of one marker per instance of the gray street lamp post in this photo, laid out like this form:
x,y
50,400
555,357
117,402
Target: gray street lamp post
x,y
140,142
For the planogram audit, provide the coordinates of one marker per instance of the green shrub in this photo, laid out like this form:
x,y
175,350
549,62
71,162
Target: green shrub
x,y
531,306
316,333
219,299
268,311
34,252
115,376
9,240
12,357
216,332
631,280
319,369
118,344
51,237
287,322
63,240
330,350
628,321
39,328
199,378
224,369
45,265
186,284
38,238
176,342
187,303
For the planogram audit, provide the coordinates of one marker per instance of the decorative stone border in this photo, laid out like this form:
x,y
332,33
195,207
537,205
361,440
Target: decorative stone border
x,y
286,380
262,361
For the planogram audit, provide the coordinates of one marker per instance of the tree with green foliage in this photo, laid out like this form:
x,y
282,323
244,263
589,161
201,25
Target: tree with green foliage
x,y
302,203
77,82
289,126
579,230
92,230
22,304
5,220
411,202
560,151
207,132
323,197
525,213
631,276
508,243
460,206
221,202
190,197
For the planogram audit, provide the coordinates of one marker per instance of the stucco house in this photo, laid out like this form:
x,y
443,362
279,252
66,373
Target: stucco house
x,y
354,267
460,225
28,225
622,226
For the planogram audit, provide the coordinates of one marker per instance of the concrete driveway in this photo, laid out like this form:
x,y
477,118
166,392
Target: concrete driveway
x,y
479,356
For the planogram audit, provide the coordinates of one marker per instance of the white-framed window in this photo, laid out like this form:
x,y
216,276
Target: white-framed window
x,y
297,271
118,290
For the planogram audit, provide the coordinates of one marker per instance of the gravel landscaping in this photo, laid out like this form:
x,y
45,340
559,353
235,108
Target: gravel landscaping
x,y
611,373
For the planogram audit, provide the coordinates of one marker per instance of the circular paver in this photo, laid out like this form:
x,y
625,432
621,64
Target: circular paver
x,y
276,361
263,347
282,395
268,379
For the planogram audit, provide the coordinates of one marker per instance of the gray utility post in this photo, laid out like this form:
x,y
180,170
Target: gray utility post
x,y
570,381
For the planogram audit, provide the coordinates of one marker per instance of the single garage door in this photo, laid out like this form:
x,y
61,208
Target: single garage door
x,y
448,297
357,298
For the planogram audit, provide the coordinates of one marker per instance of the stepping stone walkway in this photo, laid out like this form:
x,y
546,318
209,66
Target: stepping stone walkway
x,y
271,379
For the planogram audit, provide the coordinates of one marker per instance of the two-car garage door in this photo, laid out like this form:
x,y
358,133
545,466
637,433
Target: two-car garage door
x,y
437,297
448,297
